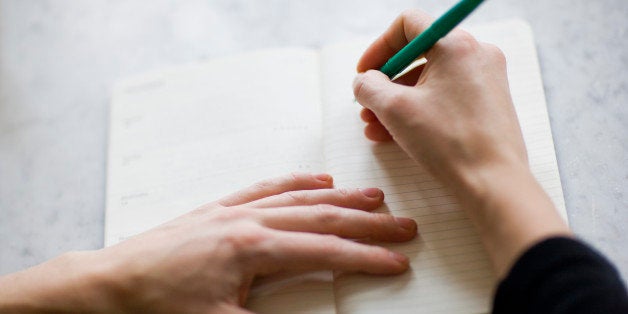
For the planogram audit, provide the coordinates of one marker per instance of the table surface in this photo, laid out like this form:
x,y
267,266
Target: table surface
x,y
58,60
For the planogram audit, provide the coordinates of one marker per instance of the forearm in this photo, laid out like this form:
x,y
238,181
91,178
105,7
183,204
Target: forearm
x,y
510,210
72,282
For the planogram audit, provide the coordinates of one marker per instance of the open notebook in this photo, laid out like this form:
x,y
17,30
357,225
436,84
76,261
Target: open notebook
x,y
184,136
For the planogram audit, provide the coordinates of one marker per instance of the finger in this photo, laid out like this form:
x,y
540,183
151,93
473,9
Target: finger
x,y
454,46
377,132
294,251
374,130
405,28
343,222
367,199
274,186
367,115
374,90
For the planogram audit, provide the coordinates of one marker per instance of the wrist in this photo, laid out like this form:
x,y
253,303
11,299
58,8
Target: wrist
x,y
483,185
510,210
72,282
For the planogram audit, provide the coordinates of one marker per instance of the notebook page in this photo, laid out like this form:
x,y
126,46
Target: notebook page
x,y
185,136
450,272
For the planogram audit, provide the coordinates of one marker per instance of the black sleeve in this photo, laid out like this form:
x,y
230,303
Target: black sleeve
x,y
561,275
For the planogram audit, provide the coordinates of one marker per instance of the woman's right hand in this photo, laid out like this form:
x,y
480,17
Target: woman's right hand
x,y
455,116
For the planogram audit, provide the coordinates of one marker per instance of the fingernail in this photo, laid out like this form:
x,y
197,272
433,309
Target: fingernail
x,y
372,192
406,223
323,177
357,77
402,259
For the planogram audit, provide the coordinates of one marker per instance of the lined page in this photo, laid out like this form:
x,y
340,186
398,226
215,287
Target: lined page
x,y
450,272
183,137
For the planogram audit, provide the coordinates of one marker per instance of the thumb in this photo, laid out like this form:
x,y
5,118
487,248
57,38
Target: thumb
x,y
374,90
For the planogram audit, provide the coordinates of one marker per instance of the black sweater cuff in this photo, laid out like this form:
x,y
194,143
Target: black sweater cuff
x,y
561,275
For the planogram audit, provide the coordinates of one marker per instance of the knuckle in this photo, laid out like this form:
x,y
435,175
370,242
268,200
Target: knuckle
x,y
397,99
294,177
296,196
247,238
409,13
360,85
331,240
203,209
462,43
327,215
495,53
357,85
264,184
383,220
399,104
379,253
230,214
412,14
413,22
364,85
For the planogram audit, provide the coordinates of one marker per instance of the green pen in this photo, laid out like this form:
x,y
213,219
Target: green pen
x,y
429,37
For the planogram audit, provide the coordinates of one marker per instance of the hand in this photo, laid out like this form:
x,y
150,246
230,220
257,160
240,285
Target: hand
x,y
206,260
455,116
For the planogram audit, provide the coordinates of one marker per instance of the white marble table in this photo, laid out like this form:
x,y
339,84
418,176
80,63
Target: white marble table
x,y
59,58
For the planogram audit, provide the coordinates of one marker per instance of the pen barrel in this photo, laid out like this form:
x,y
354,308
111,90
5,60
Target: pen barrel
x,y
429,37
407,54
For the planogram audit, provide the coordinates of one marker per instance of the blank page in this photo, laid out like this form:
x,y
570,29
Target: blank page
x,y
183,137
450,272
